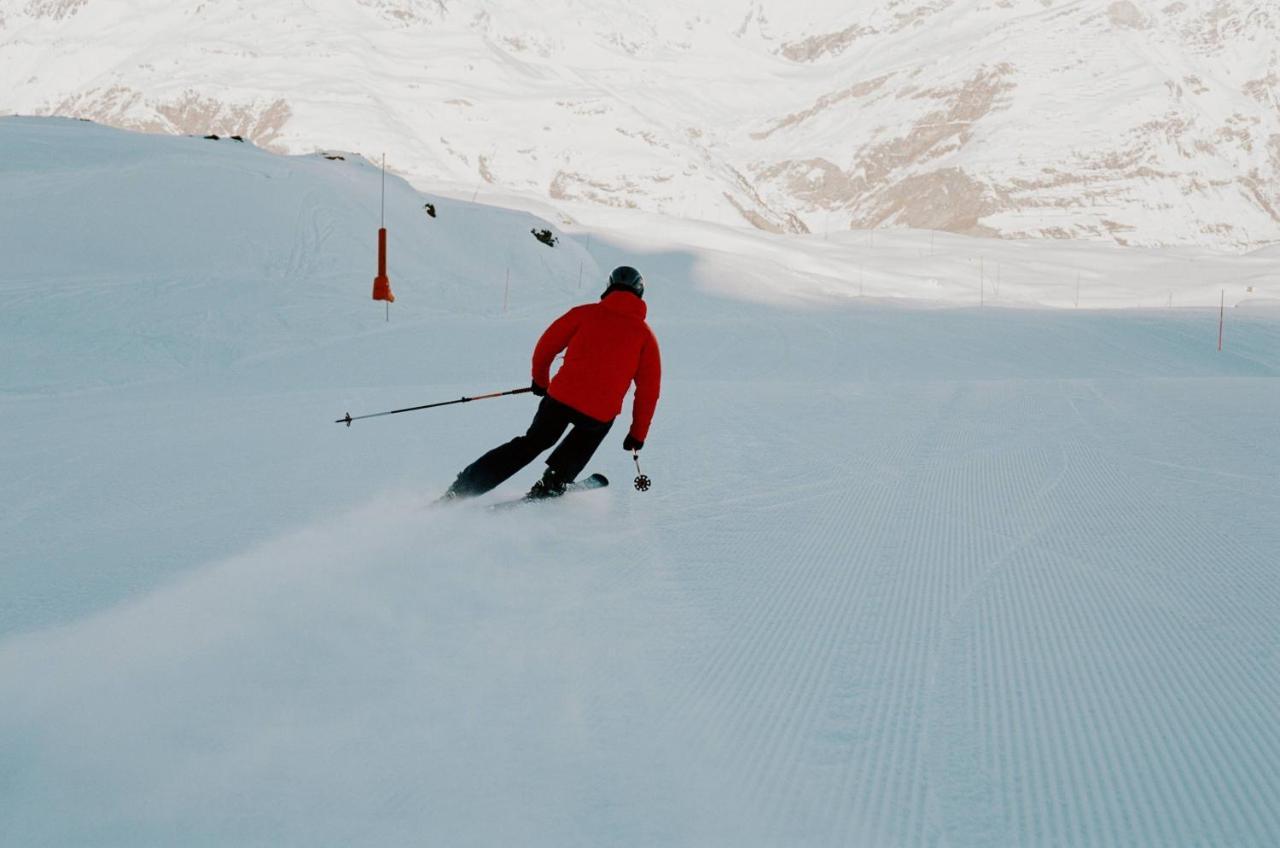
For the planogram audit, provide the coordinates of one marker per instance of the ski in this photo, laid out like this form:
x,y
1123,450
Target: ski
x,y
595,481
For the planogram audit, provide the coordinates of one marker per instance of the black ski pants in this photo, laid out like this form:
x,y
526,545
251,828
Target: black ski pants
x,y
549,424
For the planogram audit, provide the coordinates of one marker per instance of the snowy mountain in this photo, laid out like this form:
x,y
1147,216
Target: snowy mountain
x,y
1017,118
909,574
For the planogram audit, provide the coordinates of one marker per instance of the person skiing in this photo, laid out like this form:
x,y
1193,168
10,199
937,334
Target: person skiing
x,y
607,346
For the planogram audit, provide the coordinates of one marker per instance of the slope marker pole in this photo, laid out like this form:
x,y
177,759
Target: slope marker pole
x,y
1222,315
382,221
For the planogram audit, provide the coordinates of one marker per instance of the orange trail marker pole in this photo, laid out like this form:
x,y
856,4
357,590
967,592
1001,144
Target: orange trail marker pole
x,y
382,283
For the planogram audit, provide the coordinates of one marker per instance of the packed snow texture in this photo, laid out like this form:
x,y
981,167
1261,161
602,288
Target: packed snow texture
x,y
912,572
1137,123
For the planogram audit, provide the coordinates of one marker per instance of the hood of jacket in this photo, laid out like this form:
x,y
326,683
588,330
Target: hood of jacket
x,y
625,303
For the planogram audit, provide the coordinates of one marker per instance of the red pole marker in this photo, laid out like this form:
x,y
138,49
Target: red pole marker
x,y
382,283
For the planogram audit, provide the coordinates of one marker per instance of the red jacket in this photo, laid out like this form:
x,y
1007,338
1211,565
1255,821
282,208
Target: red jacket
x,y
609,345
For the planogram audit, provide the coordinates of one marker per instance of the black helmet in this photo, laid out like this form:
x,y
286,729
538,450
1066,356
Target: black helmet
x,y
627,279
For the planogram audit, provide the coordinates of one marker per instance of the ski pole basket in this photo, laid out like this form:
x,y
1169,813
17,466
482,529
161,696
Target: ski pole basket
x,y
642,481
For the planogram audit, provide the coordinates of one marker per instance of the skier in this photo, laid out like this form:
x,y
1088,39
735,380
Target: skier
x,y
609,345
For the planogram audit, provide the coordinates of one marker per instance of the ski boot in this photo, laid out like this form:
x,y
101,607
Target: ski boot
x,y
458,490
550,486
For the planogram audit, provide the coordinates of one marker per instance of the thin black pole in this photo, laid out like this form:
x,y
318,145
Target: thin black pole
x,y
1222,317
348,418
382,222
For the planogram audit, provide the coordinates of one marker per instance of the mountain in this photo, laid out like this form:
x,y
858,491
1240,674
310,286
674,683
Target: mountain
x,y
1012,118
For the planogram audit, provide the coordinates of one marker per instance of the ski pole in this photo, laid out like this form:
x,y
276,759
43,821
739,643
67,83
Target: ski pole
x,y
348,418
642,480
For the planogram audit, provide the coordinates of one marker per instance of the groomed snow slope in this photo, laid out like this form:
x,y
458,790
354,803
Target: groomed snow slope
x,y
908,575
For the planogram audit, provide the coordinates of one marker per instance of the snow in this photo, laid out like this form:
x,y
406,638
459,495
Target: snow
x,y
912,572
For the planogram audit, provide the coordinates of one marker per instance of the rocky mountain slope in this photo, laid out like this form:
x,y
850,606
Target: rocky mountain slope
x,y
1013,118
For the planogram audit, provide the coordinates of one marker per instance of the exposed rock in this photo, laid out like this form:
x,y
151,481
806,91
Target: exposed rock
x,y
190,114
53,9
947,199
861,89
571,186
820,183
753,217
1264,192
817,47
262,124
919,15
406,12
1123,13
1264,90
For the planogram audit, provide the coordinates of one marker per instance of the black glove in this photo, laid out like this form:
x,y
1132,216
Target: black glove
x,y
537,390
631,443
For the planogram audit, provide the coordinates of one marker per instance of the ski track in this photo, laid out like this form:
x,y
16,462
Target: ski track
x,y
1014,612
998,623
